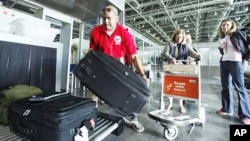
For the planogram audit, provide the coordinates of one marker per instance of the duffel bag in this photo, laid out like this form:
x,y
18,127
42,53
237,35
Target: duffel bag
x,y
14,93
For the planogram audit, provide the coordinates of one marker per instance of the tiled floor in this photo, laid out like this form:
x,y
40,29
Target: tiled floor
x,y
216,127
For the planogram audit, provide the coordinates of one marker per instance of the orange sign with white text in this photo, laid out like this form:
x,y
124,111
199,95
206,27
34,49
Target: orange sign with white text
x,y
184,86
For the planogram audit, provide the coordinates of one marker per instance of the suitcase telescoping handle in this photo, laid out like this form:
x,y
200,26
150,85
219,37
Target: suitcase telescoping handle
x,y
38,98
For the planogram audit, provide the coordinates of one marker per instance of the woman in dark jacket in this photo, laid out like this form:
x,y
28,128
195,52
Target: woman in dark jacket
x,y
232,46
178,49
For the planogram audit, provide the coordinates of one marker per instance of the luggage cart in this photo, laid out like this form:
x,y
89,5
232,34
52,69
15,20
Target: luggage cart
x,y
183,82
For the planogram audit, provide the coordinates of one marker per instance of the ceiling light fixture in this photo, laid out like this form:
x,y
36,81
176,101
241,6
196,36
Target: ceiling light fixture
x,y
237,18
246,9
136,4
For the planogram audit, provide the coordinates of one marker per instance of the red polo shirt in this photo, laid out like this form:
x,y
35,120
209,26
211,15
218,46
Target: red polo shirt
x,y
115,45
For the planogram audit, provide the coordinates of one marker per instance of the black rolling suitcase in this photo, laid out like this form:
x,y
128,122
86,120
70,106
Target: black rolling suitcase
x,y
113,82
52,119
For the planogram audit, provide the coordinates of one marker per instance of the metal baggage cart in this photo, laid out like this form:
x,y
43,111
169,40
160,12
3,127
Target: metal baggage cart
x,y
182,82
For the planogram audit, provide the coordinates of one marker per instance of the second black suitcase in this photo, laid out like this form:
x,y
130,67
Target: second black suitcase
x,y
113,82
54,119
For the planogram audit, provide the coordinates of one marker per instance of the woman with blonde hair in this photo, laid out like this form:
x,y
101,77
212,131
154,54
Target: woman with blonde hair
x,y
178,49
232,47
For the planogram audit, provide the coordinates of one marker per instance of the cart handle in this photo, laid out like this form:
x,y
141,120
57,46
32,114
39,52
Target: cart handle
x,y
188,61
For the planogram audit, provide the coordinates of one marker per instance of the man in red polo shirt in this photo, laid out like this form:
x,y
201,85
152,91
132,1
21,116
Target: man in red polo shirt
x,y
114,40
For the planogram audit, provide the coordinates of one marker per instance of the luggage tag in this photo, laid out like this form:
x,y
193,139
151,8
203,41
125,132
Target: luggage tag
x,y
78,138
82,134
90,124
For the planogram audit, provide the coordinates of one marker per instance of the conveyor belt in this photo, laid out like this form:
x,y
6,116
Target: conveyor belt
x,y
7,135
103,128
